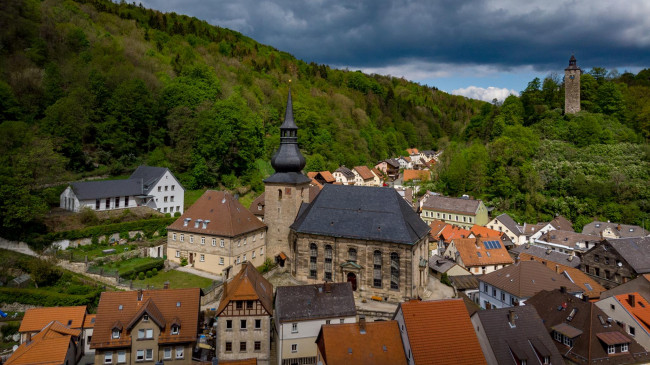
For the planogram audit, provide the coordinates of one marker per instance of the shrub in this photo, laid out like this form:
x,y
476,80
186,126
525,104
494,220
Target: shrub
x,y
10,328
45,297
177,214
149,274
124,235
183,261
141,275
154,271
88,216
142,268
44,272
266,266
95,240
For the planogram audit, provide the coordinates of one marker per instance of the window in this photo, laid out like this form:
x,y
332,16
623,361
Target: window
x,y
116,334
108,357
258,345
165,199
160,188
244,257
258,324
294,328
148,354
611,349
108,203
203,240
166,187
328,321
503,296
221,243
179,352
313,258
173,187
249,304
167,353
141,334
173,236
394,270
220,260
342,320
228,346
191,238
202,259
242,346
175,330
178,253
117,202
631,330
253,254
328,262
182,237
294,347
242,324
624,347
485,288
121,357
228,324
238,259
96,204
139,355
494,292
376,281
214,242
352,254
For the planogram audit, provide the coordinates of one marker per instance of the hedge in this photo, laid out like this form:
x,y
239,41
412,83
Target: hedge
x,y
132,273
44,297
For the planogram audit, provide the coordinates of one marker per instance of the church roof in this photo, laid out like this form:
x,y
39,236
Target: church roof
x,y
361,212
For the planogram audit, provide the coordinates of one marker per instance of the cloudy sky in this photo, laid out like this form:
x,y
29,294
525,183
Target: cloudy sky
x,y
478,48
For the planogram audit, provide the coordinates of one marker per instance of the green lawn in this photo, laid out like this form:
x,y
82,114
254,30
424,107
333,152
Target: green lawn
x,y
94,251
124,266
177,280
192,196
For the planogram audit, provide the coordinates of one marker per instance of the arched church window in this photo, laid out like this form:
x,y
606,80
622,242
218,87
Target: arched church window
x,y
328,262
376,272
394,270
313,258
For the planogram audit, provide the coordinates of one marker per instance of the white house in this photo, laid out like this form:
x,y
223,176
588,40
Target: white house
x,y
504,223
155,187
344,176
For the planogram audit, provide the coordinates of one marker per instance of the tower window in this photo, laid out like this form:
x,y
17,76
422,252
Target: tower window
x,y
279,194
313,258
328,262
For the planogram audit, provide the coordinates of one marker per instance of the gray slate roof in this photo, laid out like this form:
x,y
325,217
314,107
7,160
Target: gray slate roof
x,y
346,172
86,190
623,230
361,212
149,175
507,221
636,251
306,302
440,264
527,336
393,162
449,204
543,253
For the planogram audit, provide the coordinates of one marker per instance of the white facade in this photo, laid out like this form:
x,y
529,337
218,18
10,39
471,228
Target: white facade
x,y
340,178
399,317
87,336
69,201
496,297
168,195
515,237
298,339
615,310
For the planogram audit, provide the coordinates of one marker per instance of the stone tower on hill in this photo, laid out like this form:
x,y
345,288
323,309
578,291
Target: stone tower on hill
x,y
572,87
286,190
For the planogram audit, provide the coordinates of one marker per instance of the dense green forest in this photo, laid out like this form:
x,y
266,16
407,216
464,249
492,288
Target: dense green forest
x,y
93,87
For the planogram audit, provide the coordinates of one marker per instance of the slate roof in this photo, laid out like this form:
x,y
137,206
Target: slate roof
x,y
150,175
530,229
640,284
361,212
636,251
364,172
526,278
307,302
546,254
87,190
526,337
587,320
464,282
441,203
36,319
181,305
393,162
346,172
440,264
474,253
226,215
48,347
455,342
622,230
248,284
567,238
294,178
561,223
507,221
344,344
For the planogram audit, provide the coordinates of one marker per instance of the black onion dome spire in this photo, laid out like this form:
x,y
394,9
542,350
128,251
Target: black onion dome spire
x,y
288,157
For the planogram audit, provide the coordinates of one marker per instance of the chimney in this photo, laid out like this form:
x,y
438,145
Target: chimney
x,y
511,317
630,299
517,259
563,289
166,285
139,295
548,251
618,228
362,324
570,258
585,297
557,269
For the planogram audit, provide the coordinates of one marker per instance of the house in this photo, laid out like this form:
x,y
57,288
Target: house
x,y
362,343
146,326
390,167
380,175
416,176
35,319
464,212
592,289
368,236
613,230
429,155
632,312
514,284
364,177
568,242
323,177
439,265
405,162
616,261
257,207
445,234
582,333
244,317
480,231
55,344
407,194
504,223
640,284
154,187
513,336
301,310
545,254
562,224
415,155
479,255
454,342
217,234
344,176
87,333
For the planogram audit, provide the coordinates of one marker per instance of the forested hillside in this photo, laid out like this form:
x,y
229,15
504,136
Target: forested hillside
x,y
91,87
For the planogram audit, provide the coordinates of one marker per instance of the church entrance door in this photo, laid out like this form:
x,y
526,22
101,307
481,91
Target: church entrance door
x,y
352,279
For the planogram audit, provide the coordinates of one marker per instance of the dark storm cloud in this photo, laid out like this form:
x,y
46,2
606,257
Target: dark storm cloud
x,y
502,34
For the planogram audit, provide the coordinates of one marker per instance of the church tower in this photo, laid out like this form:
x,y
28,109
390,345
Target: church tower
x,y
572,87
286,190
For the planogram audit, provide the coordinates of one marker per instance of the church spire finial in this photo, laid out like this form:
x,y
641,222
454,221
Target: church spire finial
x,y
288,157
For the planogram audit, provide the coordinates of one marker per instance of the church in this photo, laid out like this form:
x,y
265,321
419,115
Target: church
x,y
368,236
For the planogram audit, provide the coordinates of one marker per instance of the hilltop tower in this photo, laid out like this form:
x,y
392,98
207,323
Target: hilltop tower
x,y
286,190
572,87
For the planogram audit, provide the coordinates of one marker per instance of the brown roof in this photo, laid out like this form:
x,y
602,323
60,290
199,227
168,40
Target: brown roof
x,y
567,238
90,321
590,286
50,346
345,344
473,252
377,172
37,318
170,304
327,176
257,204
248,284
453,205
590,321
436,227
226,216
613,338
422,175
412,151
561,223
364,172
530,229
450,232
312,174
485,231
527,278
455,341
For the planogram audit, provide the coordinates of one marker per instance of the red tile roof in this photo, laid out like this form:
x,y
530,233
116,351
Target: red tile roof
x,y
485,231
641,309
451,232
248,284
364,172
90,321
37,318
226,215
422,175
474,253
455,342
48,347
327,176
412,151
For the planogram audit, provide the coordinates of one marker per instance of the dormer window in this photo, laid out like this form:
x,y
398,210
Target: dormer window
x,y
145,318
175,330
197,222
205,223
186,222
116,334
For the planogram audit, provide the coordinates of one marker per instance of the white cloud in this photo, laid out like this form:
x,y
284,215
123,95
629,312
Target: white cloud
x,y
485,94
